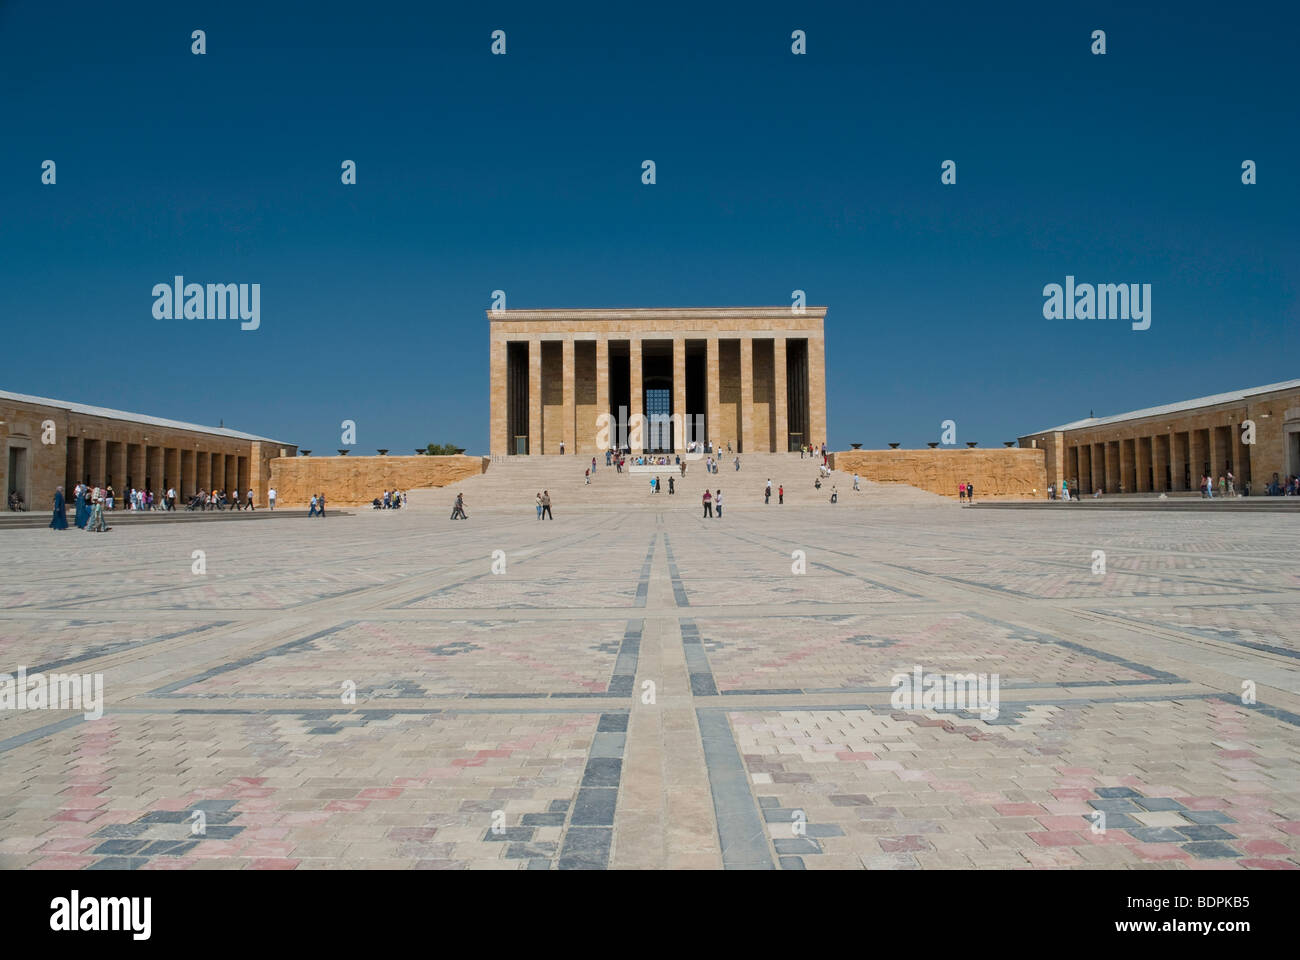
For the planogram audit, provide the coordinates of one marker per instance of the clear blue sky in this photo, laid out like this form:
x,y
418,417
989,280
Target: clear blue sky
x,y
523,172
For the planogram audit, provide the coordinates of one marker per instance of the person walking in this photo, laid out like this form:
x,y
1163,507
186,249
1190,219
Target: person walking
x,y
738,464
593,464
780,494
708,503
270,497
961,493
539,506
835,497
108,497
717,504
546,505
82,516
1223,486
1232,484
970,492
767,492
586,477
320,504
855,483
670,486
60,519
458,510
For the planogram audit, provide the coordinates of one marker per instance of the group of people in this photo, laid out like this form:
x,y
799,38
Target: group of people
x,y
391,500
316,506
1290,487
544,505
220,500
966,492
89,515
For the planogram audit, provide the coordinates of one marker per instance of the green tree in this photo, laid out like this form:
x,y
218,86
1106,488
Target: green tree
x,y
442,450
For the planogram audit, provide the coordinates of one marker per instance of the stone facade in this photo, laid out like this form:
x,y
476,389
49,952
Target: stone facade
x,y
1168,448
1006,472
756,376
50,443
355,481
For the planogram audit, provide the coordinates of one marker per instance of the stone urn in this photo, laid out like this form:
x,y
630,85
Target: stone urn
x,y
856,446
971,443
420,450
383,453
460,451
343,452
305,453
1008,443
933,444
894,446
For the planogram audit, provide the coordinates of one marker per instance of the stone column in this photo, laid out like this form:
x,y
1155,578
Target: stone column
x,y
498,441
1196,455
119,471
1097,477
1218,456
781,416
602,390
713,386
1159,462
97,463
1142,453
569,429
1112,466
535,439
1125,465
745,442
817,389
636,397
73,471
680,414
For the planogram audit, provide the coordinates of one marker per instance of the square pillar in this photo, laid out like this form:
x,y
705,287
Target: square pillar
x,y
745,442
1159,463
498,441
681,415
713,386
535,438
569,428
1112,466
1097,476
1218,454
1198,453
636,397
96,462
1145,467
1084,476
602,391
1125,465
817,390
781,415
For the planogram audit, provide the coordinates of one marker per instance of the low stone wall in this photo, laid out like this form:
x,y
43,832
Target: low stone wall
x,y
1005,472
355,481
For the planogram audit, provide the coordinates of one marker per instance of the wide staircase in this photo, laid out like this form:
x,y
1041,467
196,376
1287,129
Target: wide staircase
x,y
513,483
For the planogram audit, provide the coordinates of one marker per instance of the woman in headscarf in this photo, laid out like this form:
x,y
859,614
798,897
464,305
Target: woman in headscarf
x,y
96,524
60,519
83,509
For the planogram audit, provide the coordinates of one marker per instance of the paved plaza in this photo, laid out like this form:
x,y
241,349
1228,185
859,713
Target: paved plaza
x,y
643,688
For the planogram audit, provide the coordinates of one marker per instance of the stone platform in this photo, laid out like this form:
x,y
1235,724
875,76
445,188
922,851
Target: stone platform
x,y
641,688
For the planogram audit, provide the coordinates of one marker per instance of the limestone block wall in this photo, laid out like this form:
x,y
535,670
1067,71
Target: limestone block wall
x,y
1005,472
41,464
355,481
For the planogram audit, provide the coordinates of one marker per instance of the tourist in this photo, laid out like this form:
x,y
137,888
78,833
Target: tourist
x,y
670,486
737,462
96,523
270,497
708,503
108,497
593,464
767,492
586,477
609,455
82,515
60,519
817,484
171,498
835,497
961,493
320,504
970,492
1065,489
458,511
855,483
1223,487
312,511
546,505
561,448
539,506
1051,491
403,498
717,504
1232,484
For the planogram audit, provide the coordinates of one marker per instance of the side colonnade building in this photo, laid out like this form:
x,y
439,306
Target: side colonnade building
x,y
48,443
754,377
1169,448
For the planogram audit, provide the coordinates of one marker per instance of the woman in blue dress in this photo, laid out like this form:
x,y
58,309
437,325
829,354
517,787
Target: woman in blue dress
x,y
83,509
60,519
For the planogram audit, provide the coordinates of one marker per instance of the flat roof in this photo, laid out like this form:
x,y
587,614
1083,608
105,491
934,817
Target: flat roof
x,y
110,414
629,313
1170,408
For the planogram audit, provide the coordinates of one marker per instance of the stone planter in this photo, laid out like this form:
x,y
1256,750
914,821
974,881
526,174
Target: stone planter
x,y
856,446
894,446
933,444
305,453
383,453
460,451
343,452
971,443
420,451
1008,443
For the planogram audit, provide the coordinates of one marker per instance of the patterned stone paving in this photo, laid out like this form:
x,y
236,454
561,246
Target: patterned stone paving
x,y
647,689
